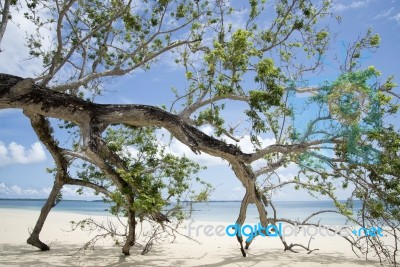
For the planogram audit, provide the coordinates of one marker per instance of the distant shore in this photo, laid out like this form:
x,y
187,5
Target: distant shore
x,y
210,251
216,211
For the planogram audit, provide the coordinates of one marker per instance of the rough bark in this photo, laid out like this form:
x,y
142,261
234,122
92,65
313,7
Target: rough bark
x,y
92,118
43,130
34,239
131,238
46,102
5,16
242,218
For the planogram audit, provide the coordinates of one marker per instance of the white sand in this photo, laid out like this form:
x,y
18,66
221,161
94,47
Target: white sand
x,y
213,251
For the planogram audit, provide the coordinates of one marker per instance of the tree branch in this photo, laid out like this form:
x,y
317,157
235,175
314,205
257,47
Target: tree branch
x,y
5,16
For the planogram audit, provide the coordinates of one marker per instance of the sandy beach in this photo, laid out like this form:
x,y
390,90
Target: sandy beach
x,y
210,251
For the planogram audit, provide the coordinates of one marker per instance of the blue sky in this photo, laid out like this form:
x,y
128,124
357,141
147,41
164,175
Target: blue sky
x,y
23,159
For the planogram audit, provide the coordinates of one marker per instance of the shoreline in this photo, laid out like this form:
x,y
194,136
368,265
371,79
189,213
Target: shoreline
x,y
212,211
210,251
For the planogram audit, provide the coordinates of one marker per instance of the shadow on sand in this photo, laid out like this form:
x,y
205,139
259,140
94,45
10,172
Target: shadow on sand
x,y
65,255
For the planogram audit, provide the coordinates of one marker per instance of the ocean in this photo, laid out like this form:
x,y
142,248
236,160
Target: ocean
x,y
218,211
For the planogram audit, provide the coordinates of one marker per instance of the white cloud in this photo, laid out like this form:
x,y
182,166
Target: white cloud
x,y
384,14
18,191
288,173
179,149
14,50
238,20
396,17
17,154
3,188
247,146
352,5
69,192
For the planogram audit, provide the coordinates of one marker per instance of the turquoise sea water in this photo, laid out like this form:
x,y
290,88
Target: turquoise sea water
x,y
219,211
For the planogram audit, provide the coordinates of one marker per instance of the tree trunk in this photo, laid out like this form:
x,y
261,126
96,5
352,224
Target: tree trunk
x,y
131,238
5,16
261,212
50,202
241,219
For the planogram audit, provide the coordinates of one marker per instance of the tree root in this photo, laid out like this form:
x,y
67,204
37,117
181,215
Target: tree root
x,y
35,241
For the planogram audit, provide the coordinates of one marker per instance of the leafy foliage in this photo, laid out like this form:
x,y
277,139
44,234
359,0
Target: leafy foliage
x,y
161,180
243,71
